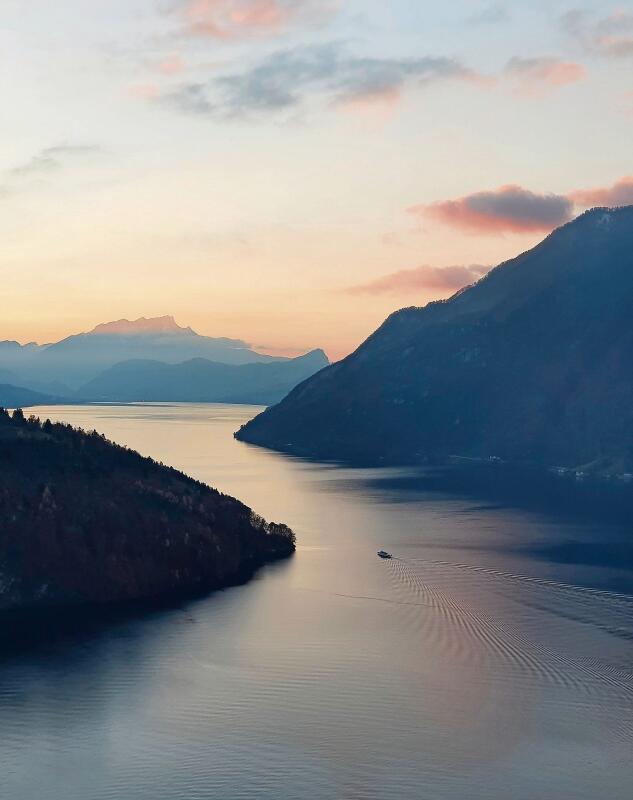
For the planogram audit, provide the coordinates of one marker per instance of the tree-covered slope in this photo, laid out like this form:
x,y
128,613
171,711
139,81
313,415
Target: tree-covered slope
x,y
85,521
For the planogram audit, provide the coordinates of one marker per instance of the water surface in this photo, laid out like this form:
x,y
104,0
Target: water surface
x,y
470,666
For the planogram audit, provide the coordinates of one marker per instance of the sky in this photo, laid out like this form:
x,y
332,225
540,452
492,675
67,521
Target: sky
x,y
289,172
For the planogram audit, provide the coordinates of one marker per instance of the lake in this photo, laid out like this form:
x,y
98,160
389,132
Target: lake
x,y
476,664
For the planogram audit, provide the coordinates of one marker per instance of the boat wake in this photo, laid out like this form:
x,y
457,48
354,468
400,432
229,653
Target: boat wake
x,y
516,628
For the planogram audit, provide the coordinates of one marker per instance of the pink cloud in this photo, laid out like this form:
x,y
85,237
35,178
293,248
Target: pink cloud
x,y
391,239
619,194
618,46
610,36
406,281
231,19
376,104
387,95
145,91
172,65
509,209
536,75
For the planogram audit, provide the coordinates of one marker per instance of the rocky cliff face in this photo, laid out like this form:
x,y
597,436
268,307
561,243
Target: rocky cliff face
x,y
534,363
85,521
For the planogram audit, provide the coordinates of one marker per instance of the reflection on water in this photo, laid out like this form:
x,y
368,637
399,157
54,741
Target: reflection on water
x,y
469,666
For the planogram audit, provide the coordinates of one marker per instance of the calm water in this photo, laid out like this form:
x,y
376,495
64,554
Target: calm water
x,y
468,667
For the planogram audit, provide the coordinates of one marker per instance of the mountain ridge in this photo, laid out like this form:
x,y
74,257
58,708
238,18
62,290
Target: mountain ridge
x,y
531,363
18,397
62,367
164,324
201,380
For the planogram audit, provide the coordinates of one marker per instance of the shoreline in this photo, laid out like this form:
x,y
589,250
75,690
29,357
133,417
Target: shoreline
x,y
31,626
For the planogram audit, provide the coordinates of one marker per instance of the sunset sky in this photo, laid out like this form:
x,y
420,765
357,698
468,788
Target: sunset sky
x,y
291,171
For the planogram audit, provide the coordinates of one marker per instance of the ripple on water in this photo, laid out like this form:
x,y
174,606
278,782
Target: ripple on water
x,y
335,675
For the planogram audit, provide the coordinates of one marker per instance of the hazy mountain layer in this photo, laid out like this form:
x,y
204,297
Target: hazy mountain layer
x,y
66,365
17,396
200,380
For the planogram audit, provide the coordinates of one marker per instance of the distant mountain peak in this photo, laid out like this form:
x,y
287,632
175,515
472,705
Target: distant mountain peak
x,y
316,355
141,326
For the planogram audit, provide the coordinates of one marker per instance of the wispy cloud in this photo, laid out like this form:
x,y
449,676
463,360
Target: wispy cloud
x,y
610,36
407,281
619,194
51,159
286,79
509,209
490,14
45,164
238,19
534,76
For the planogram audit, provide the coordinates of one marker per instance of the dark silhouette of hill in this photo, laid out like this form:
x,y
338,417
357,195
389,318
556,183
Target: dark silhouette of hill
x,y
534,363
200,380
62,367
85,521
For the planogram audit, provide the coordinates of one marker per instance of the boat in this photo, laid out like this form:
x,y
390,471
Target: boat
x,y
384,554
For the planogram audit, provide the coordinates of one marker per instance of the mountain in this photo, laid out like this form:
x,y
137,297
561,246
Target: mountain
x,y
143,326
85,521
201,380
16,396
64,366
534,363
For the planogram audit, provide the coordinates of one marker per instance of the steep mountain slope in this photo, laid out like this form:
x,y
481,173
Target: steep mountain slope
x,y
85,521
532,363
200,380
79,358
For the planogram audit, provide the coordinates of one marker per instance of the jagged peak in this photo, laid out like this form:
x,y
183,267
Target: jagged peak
x,y
317,353
140,326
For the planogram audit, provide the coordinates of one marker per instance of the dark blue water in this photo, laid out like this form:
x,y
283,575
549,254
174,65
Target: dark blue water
x,y
470,666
